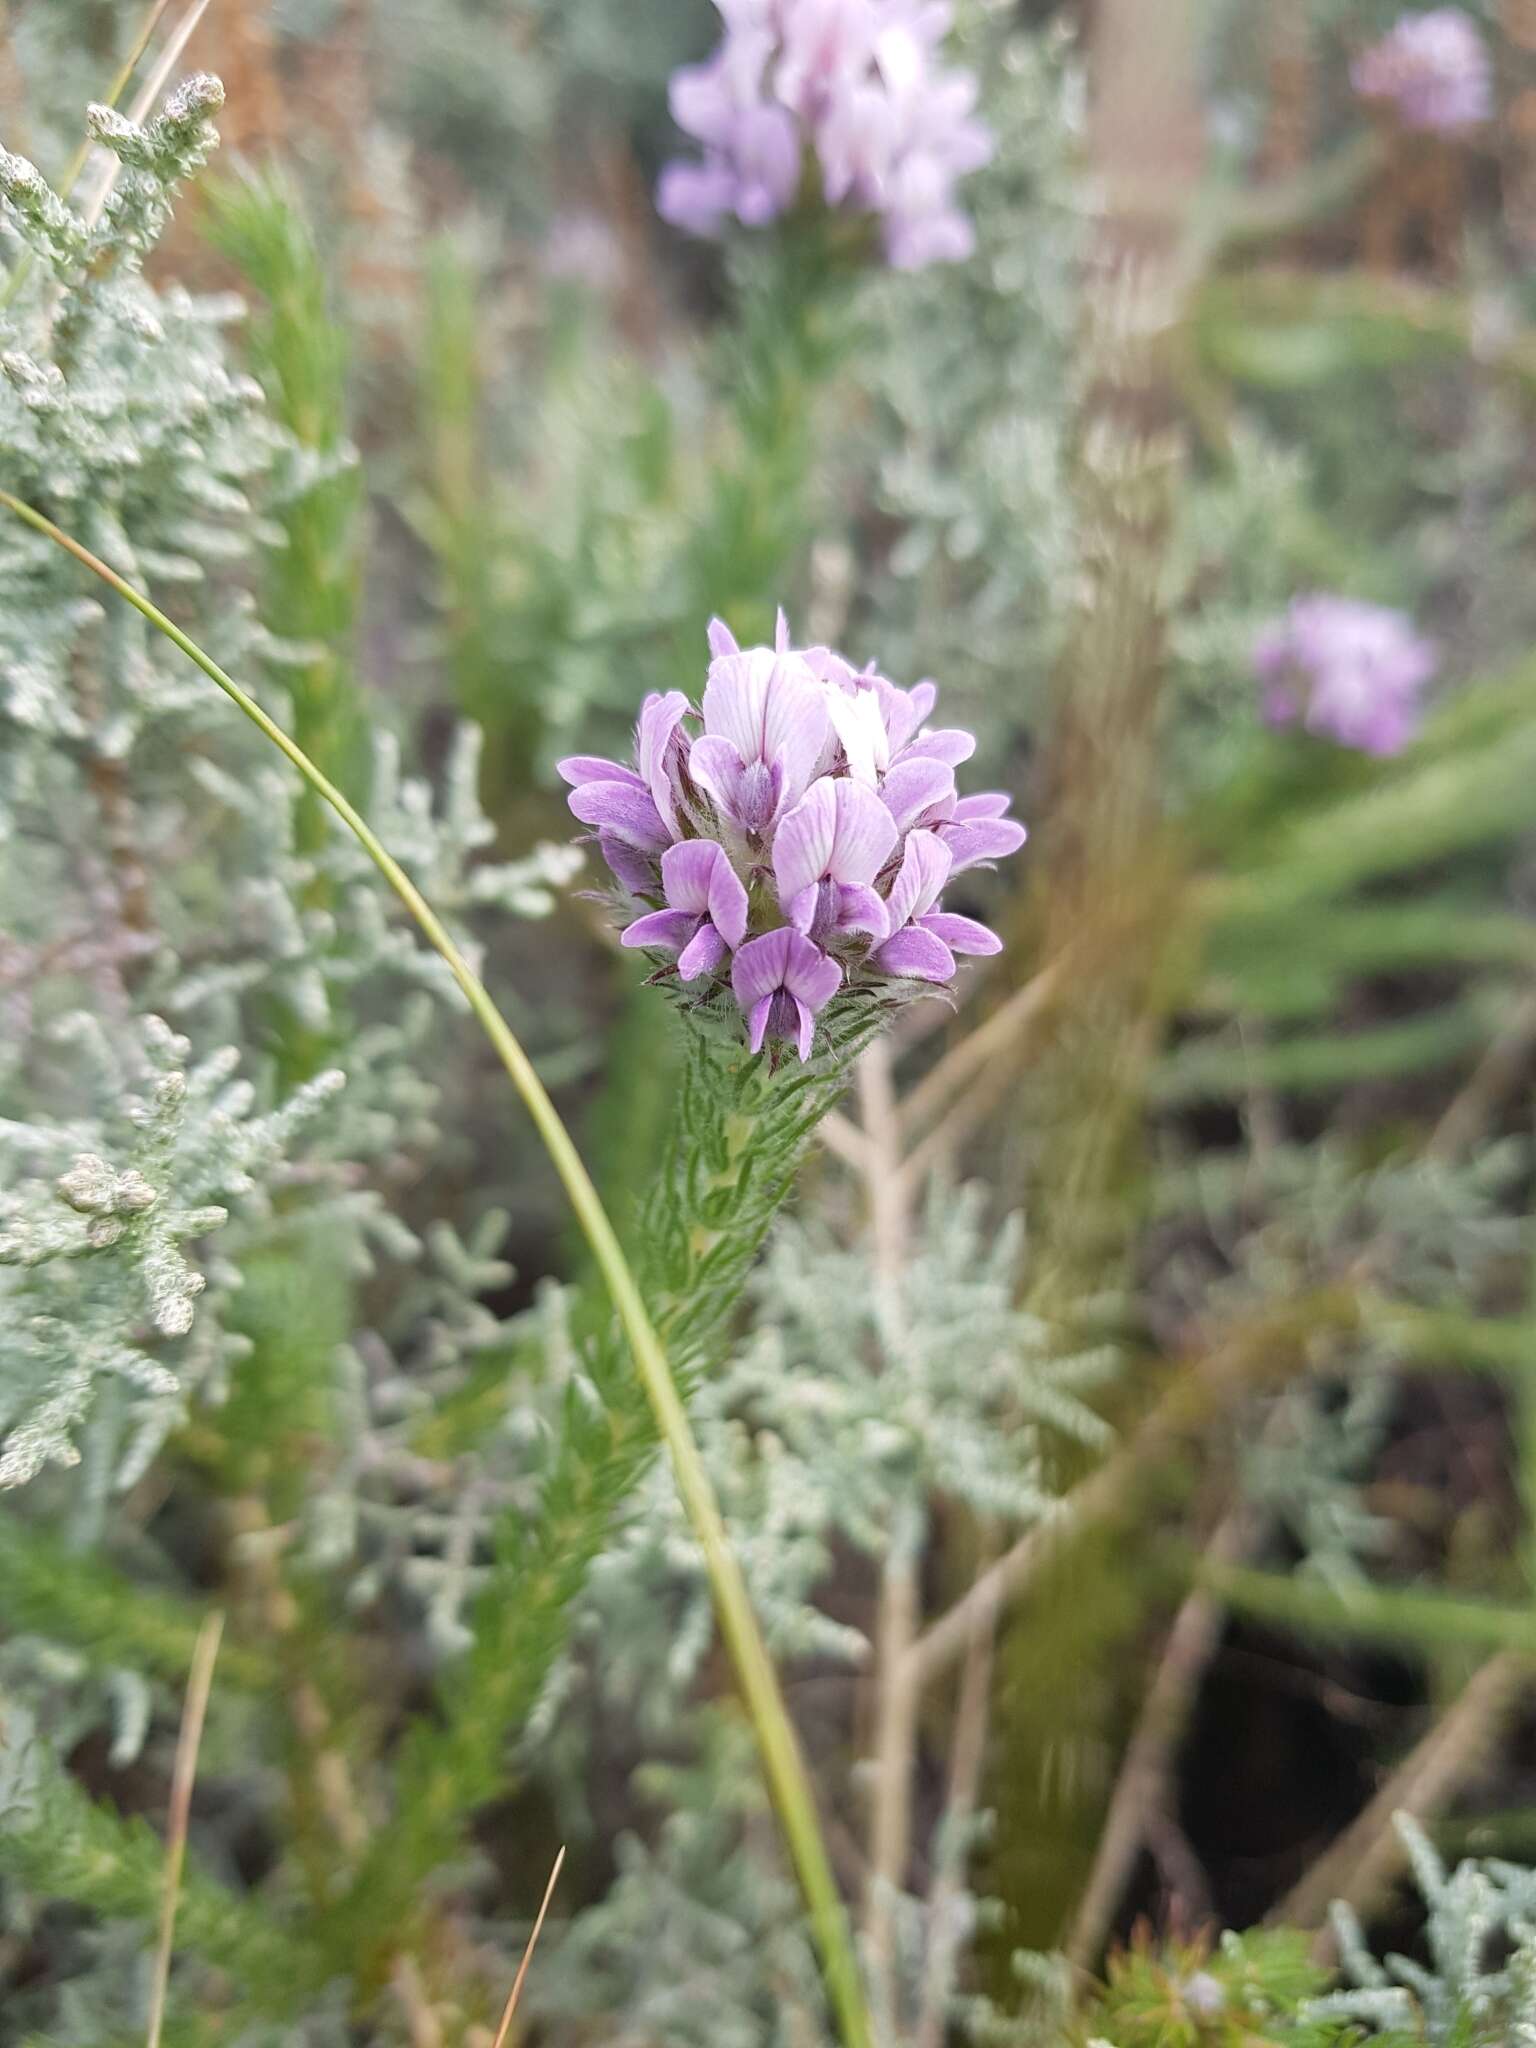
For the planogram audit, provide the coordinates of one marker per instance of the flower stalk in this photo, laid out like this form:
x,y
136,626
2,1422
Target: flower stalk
x,y
778,1745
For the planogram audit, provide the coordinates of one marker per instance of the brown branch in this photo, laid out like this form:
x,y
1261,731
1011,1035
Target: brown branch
x,y
967,1758
1143,1789
1273,1344
1364,1859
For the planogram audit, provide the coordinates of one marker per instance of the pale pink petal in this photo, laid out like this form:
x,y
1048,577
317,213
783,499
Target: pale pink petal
x,y
916,955
733,699
781,632
722,641
666,931
657,741
809,974
861,910
630,866
991,804
864,838
802,845
961,934
717,768
728,904
918,792
623,808
903,710
949,744
805,1036
794,724
687,872
801,907
986,839
757,1022
580,768
856,719
759,966
703,955
925,868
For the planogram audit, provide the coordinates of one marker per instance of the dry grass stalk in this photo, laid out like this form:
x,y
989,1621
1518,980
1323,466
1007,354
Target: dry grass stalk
x,y
183,1777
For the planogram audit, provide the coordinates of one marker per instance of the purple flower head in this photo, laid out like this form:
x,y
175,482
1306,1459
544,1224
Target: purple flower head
x,y
781,981
1433,69
855,84
797,845
706,913
1351,671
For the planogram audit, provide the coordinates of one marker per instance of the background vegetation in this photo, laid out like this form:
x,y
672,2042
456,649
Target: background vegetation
x,y
1126,1428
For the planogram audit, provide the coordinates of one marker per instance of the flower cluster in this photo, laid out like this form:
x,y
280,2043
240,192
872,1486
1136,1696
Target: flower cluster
x,y
1350,670
857,84
1433,69
800,839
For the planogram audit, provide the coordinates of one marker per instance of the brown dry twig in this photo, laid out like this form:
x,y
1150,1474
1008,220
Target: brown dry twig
x,y
183,1776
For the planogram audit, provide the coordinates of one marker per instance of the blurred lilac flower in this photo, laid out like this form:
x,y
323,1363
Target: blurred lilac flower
x,y
799,843
1434,70
856,85
1349,670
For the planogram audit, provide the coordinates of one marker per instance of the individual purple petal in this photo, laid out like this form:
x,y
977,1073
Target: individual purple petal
x,y
701,883
660,748
918,791
697,198
703,954
926,863
839,829
722,640
859,724
760,965
802,907
989,804
961,934
635,870
622,808
985,840
766,150
861,910
915,954
579,768
781,980
811,975
728,904
802,845
805,1034
717,768
687,870
662,930
949,744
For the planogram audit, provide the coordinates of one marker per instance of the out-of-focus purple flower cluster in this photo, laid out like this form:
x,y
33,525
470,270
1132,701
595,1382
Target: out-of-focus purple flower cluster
x,y
794,835
1434,70
1349,670
858,85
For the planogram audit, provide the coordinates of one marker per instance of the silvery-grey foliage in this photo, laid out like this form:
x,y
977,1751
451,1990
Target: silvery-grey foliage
x,y
1480,1976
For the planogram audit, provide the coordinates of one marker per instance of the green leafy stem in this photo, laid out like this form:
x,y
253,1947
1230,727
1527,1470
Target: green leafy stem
x,y
783,1764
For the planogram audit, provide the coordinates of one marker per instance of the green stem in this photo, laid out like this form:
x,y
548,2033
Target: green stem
x,y
777,1743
